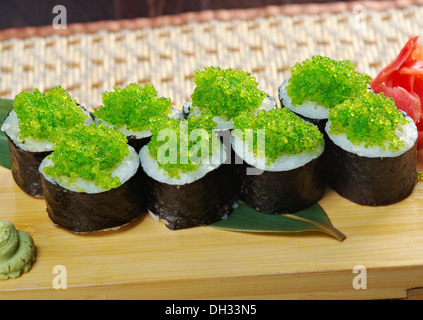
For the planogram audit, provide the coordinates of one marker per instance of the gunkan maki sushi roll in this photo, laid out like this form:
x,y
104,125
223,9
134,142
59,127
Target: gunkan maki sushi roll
x,y
187,182
371,150
282,161
32,128
130,110
225,93
91,180
318,84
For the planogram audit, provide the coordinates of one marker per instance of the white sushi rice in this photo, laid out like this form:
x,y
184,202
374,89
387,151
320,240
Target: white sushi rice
x,y
127,132
124,171
283,163
11,128
151,166
407,133
223,122
186,108
267,104
308,109
174,113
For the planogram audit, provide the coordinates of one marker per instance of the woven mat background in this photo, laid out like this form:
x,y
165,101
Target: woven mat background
x,y
88,64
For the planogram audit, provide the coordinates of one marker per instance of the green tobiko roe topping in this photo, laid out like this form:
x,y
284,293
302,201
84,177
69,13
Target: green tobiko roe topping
x,y
180,146
325,81
89,153
44,115
226,91
132,106
371,119
285,132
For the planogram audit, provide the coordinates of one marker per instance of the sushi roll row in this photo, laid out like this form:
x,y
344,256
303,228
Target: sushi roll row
x,y
230,142
276,155
85,165
370,154
32,128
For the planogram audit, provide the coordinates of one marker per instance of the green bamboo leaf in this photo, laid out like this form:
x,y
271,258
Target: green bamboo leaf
x,y
5,107
247,219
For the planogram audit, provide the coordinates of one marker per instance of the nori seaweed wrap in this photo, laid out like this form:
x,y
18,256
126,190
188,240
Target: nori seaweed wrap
x,y
281,170
318,84
92,179
32,127
130,110
200,202
371,152
187,182
24,168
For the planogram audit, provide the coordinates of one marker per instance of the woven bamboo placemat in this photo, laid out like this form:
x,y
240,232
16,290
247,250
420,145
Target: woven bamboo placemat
x,y
90,59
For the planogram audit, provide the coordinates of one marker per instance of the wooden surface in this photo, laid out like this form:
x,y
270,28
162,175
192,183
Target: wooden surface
x,y
145,260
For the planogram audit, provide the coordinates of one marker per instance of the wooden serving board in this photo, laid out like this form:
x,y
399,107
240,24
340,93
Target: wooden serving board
x,y
145,260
